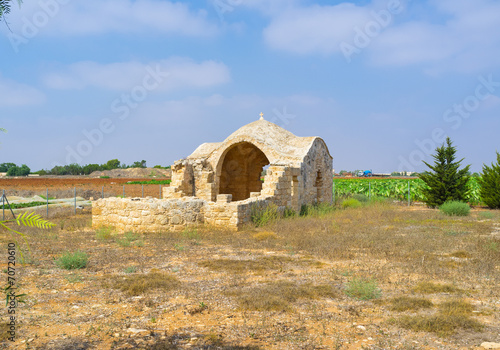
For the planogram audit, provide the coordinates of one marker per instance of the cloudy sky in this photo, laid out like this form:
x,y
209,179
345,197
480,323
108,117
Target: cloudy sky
x,y
383,82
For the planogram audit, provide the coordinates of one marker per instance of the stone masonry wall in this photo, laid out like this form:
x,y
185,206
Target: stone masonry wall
x,y
147,215
162,215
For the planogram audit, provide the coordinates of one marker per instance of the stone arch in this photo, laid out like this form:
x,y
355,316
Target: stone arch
x,y
239,170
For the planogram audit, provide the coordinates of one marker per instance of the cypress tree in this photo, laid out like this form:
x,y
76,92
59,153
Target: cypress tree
x,y
445,182
490,184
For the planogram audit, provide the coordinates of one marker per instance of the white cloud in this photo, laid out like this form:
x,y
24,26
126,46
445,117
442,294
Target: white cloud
x,y
315,29
174,73
468,41
15,94
63,18
453,35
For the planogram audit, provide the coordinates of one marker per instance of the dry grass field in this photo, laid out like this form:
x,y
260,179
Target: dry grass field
x,y
380,276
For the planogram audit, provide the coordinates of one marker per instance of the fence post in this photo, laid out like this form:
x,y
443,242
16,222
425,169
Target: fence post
x,y
142,191
409,193
47,194
160,192
3,206
369,190
102,192
123,191
75,200
334,193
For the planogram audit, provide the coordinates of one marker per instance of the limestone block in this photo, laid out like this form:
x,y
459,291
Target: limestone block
x,y
224,198
176,220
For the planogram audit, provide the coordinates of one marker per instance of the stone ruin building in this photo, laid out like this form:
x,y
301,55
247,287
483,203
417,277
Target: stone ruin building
x,y
220,183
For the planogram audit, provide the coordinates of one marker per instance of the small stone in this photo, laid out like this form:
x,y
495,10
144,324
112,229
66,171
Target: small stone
x,y
361,328
135,330
117,335
488,345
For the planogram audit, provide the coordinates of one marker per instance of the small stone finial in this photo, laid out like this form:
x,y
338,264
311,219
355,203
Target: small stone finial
x,y
261,116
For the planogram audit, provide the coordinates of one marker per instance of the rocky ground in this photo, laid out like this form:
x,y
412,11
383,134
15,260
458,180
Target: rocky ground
x,y
288,285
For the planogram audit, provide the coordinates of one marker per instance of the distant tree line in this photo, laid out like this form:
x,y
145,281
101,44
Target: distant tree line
x,y
72,169
13,170
77,169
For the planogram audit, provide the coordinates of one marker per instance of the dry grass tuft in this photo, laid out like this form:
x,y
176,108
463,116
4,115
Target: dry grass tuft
x,y
456,307
264,236
433,288
409,303
278,296
442,325
462,254
139,284
243,266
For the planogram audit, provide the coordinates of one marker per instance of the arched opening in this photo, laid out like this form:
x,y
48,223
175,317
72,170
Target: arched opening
x,y
241,171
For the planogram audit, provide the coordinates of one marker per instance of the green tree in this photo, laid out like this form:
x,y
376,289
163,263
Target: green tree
x,y
490,184
445,182
4,167
23,170
90,168
141,164
112,164
5,7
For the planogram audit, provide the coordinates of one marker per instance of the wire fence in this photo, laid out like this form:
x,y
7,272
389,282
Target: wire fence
x,y
74,200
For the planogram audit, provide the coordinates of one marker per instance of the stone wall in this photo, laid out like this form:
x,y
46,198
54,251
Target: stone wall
x,y
147,215
162,215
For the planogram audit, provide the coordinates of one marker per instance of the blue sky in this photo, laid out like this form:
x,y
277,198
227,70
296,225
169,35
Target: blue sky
x,y
382,82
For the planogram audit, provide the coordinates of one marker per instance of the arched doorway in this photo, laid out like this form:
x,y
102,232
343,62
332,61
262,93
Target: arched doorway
x,y
241,171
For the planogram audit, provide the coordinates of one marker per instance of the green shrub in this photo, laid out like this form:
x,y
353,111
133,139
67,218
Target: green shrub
x,y
361,197
104,177
363,289
262,215
318,209
490,184
455,208
128,238
103,233
351,203
487,215
72,261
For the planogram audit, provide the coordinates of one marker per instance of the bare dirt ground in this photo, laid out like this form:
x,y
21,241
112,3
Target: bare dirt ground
x,y
86,187
376,277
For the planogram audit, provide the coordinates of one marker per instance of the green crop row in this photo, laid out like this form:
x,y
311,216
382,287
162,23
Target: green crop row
x,y
22,205
151,182
395,188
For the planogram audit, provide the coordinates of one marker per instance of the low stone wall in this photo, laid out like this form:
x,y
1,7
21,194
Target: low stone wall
x,y
161,215
233,215
147,215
